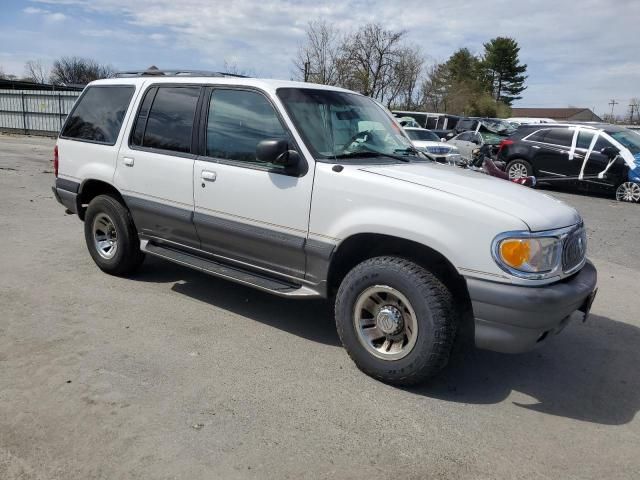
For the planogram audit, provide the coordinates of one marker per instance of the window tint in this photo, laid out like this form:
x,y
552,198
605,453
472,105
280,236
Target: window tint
x,y
584,140
143,114
238,121
170,120
465,137
538,136
99,114
559,136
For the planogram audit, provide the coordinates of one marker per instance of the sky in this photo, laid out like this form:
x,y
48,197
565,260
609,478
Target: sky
x,y
579,53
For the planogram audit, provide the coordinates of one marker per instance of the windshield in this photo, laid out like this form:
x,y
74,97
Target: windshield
x,y
629,139
341,125
422,135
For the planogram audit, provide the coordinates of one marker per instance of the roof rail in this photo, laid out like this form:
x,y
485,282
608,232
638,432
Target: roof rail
x,y
175,73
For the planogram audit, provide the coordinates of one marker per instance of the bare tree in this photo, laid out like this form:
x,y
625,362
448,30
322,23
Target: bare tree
x,y
317,59
35,71
233,68
434,90
373,53
407,70
78,71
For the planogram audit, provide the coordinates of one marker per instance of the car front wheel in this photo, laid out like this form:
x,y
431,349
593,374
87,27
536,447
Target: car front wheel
x,y
396,320
628,192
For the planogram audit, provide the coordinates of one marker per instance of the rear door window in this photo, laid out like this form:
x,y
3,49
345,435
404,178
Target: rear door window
x,y
559,136
99,113
169,125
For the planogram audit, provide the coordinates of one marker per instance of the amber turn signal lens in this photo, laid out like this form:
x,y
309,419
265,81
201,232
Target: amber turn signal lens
x,y
515,252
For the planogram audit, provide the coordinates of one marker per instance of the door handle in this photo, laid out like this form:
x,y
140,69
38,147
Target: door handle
x,y
208,176
128,161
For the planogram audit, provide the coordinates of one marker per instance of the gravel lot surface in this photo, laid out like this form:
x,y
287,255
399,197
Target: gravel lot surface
x,y
173,374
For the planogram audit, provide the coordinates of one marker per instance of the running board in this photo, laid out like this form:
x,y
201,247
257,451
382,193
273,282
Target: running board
x,y
235,274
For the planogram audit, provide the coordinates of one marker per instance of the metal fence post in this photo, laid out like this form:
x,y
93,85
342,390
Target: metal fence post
x,y
24,114
59,112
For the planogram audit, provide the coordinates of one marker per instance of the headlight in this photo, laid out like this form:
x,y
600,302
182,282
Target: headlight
x,y
529,256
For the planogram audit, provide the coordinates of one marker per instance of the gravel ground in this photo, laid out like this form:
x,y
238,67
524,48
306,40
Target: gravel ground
x,y
173,374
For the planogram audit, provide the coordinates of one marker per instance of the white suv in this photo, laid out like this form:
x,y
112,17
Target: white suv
x,y
306,190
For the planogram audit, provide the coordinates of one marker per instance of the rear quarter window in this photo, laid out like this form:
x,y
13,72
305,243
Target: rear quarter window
x,y
98,115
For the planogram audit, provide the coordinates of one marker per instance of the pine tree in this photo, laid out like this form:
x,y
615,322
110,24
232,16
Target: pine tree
x,y
503,70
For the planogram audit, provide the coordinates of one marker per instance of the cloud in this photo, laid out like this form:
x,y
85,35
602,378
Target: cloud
x,y
579,53
46,14
33,10
55,17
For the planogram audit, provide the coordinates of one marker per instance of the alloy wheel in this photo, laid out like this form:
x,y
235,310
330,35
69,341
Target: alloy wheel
x,y
385,322
105,236
517,170
628,192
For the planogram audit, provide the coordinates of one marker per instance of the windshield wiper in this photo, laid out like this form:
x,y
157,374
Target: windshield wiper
x,y
371,153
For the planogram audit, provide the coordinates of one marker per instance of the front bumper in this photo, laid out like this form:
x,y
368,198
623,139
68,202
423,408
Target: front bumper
x,y
514,319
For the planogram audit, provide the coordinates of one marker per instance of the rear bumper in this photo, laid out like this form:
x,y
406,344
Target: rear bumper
x,y
66,193
513,319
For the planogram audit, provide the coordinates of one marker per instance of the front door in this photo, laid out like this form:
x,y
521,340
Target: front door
x,y
154,169
597,162
245,210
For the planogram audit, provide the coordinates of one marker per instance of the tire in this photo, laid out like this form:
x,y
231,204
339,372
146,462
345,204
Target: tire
x,y
628,192
418,355
518,169
108,220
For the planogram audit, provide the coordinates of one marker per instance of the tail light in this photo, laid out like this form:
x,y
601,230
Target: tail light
x,y
55,160
504,143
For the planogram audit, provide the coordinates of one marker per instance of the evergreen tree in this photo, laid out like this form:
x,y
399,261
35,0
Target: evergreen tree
x,y
503,70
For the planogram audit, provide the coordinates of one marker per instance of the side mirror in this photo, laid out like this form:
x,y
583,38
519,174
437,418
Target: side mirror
x,y
610,152
277,152
443,139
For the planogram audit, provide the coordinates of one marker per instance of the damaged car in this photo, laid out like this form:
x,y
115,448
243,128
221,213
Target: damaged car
x,y
600,158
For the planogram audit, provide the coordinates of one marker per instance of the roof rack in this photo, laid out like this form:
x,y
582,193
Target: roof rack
x,y
176,73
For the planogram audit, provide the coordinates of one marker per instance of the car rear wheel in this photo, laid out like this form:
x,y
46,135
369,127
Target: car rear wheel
x,y
111,236
396,320
519,169
628,192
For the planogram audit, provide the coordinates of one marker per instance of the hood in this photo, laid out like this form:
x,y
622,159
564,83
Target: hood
x,y
538,210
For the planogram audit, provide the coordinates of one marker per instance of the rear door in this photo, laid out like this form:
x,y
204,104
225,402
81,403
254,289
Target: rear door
x,y
553,157
155,164
246,210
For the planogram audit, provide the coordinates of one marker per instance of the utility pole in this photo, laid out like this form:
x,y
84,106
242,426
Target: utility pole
x,y
613,103
307,65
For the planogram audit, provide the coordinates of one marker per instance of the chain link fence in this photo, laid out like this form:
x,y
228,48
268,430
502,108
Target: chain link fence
x,y
35,112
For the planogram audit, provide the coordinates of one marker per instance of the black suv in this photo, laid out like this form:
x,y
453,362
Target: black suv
x,y
556,153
